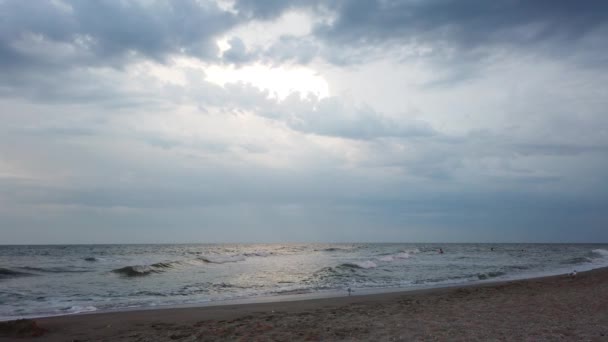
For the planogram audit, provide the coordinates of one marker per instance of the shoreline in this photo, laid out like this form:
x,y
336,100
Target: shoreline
x,y
328,294
557,297
319,295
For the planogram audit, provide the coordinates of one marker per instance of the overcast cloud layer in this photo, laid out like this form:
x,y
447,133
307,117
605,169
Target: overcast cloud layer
x,y
269,121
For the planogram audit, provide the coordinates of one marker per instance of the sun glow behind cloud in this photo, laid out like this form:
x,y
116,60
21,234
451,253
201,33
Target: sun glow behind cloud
x,y
279,81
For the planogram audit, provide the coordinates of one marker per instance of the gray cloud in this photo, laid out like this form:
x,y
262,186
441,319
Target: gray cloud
x,y
237,53
292,49
449,30
332,117
68,33
467,24
270,9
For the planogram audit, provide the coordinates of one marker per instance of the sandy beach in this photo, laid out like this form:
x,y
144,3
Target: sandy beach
x,y
549,308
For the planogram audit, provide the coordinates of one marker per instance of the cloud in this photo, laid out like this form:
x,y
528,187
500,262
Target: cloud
x,y
237,53
110,112
333,117
301,50
270,9
449,31
71,33
464,24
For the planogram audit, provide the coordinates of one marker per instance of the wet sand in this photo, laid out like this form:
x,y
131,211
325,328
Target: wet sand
x,y
550,308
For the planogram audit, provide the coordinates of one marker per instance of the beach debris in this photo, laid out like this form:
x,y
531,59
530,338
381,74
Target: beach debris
x,y
573,274
21,328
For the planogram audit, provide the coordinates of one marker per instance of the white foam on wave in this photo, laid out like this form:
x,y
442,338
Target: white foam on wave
x,y
366,264
602,252
223,259
398,256
80,309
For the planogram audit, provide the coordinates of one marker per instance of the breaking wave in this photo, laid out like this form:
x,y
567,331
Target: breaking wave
x,y
258,254
144,270
398,256
411,251
601,252
483,276
576,261
331,249
362,264
222,259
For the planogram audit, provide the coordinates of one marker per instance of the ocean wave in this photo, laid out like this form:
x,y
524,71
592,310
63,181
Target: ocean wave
x,y
338,249
148,294
411,251
222,259
135,271
209,287
601,252
334,277
393,257
79,309
67,269
445,280
144,270
258,254
488,275
361,264
576,261
516,267
331,249
6,273
293,291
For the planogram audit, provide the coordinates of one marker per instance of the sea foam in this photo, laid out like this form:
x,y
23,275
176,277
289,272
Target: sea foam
x,y
602,252
144,270
222,259
402,255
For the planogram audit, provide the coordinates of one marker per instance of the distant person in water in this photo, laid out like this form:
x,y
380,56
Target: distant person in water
x,y
492,249
440,250
573,274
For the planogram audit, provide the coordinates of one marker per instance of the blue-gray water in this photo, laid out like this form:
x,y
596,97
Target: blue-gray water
x,y
55,280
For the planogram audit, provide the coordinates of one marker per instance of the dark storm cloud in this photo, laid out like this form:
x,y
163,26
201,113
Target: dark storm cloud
x,y
558,27
73,33
107,32
468,23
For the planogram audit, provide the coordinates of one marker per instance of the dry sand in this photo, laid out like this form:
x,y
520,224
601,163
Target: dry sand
x,y
551,308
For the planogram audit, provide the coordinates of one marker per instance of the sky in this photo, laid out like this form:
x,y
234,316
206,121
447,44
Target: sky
x,y
132,121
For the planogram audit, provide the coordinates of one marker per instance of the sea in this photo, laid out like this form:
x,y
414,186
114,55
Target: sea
x,y
56,280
